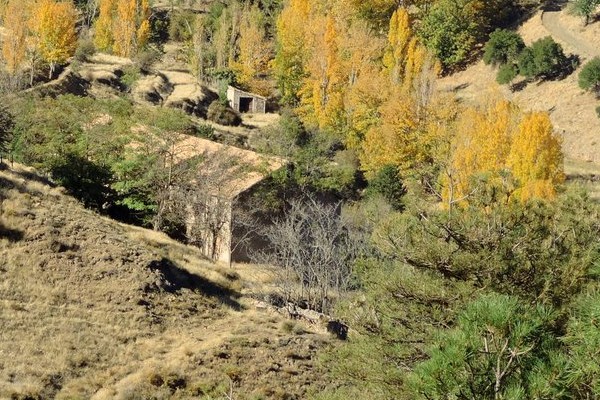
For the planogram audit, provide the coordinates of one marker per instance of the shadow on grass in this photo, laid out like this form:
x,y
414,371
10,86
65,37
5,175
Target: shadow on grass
x,y
13,235
7,184
32,176
177,278
556,5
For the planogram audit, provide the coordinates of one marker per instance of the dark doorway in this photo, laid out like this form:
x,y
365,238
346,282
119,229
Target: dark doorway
x,y
245,104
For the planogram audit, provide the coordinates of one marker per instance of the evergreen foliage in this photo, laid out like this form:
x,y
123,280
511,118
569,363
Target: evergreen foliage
x,y
506,74
222,114
6,128
388,183
545,58
504,46
500,348
589,76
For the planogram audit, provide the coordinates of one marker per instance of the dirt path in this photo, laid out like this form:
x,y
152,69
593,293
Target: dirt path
x,y
551,20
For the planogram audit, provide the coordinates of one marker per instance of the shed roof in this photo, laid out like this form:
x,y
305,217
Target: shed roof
x,y
247,93
239,169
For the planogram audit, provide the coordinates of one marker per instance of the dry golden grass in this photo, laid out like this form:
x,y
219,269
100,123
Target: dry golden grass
x,y
90,308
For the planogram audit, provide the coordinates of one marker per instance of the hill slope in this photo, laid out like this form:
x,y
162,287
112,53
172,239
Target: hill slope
x,y
90,308
571,109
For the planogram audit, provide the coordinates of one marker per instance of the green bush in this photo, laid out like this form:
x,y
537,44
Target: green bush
x,y
181,25
205,131
449,37
222,114
506,74
388,183
130,76
544,59
6,126
489,332
85,49
584,8
589,77
503,46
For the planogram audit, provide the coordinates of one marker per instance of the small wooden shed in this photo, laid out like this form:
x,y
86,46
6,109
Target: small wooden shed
x,y
246,102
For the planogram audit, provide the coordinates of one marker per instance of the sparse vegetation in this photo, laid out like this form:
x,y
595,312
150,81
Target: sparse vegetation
x,y
440,230
85,49
98,291
584,8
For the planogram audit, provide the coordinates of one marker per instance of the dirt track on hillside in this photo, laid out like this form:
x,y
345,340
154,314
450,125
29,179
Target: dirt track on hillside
x,y
551,19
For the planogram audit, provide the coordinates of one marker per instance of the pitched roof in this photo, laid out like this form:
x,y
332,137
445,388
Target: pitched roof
x,y
247,94
236,170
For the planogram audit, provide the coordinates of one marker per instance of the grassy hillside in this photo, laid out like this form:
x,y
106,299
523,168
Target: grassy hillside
x,y
571,109
91,308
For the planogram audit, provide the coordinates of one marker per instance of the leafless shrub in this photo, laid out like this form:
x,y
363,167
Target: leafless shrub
x,y
314,251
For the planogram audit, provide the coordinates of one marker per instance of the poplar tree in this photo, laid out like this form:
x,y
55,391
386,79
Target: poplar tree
x,y
103,38
536,157
254,52
52,24
399,36
14,45
122,26
291,56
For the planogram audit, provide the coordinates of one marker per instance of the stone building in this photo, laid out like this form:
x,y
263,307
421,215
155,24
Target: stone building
x,y
245,102
225,179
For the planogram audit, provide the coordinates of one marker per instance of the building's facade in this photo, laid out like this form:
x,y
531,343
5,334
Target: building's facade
x,y
246,102
227,176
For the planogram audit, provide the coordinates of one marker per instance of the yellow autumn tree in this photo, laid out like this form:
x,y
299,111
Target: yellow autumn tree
x,y
122,26
408,123
252,63
14,44
536,158
394,141
399,37
367,87
499,139
103,36
322,92
289,65
482,142
130,27
52,23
